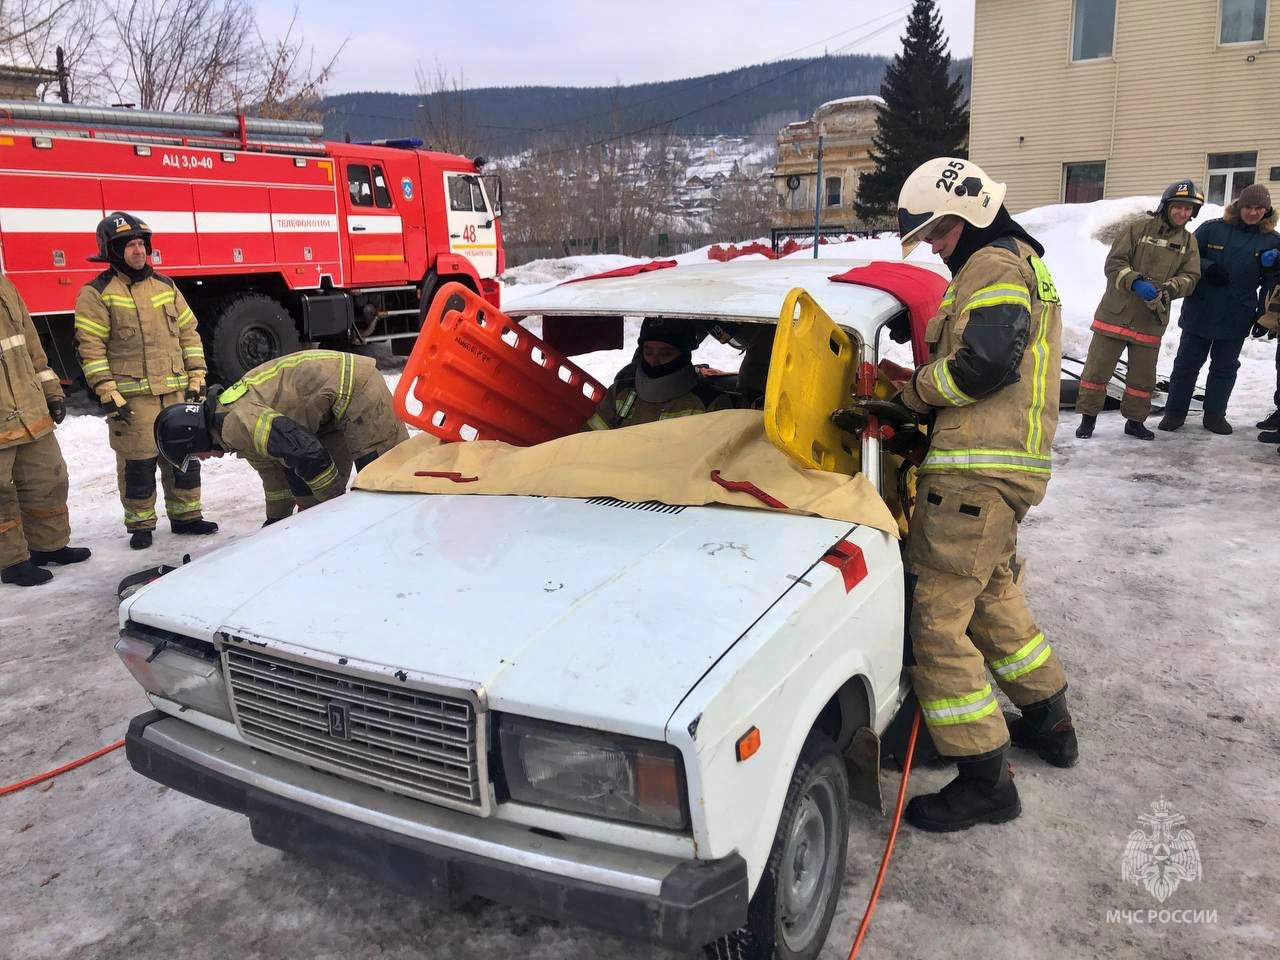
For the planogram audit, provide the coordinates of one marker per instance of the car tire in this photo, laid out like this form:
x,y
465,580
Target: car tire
x,y
249,329
790,914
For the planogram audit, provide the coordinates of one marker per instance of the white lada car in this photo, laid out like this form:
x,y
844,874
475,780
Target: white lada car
x,y
642,716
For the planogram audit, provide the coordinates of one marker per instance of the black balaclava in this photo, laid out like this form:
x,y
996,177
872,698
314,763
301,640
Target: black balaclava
x,y
115,256
658,383
973,239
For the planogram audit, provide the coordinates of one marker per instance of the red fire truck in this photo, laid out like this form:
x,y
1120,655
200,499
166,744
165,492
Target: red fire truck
x,y
276,237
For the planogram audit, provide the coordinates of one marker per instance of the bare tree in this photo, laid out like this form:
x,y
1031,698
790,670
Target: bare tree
x,y
287,83
744,208
446,121
31,31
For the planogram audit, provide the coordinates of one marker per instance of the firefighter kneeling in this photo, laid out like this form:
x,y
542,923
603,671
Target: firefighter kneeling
x,y
301,421
990,392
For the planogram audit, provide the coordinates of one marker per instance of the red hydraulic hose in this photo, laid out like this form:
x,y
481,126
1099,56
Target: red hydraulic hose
x,y
50,774
893,836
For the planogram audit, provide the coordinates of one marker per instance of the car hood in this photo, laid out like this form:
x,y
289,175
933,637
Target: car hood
x,y
596,612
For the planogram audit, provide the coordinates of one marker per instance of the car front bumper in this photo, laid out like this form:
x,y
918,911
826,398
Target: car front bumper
x,y
440,855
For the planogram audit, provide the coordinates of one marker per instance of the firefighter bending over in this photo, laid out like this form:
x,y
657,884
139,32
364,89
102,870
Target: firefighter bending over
x,y
301,421
140,351
990,394
34,526
661,383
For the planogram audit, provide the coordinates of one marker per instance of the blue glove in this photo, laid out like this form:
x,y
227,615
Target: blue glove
x,y
1269,258
1145,289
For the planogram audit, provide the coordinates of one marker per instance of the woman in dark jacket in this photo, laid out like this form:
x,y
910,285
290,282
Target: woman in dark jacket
x,y
1238,254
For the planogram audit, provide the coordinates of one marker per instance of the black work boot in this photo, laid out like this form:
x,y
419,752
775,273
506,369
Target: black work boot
x,y
1271,423
61,557
195,527
1135,428
1046,728
1269,436
982,792
1171,421
1085,430
1216,423
139,539
25,574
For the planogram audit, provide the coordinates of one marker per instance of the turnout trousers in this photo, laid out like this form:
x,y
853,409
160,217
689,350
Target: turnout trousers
x,y
136,461
969,622
1100,364
33,499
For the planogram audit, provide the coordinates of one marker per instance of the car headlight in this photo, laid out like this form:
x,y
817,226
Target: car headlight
x,y
598,774
181,669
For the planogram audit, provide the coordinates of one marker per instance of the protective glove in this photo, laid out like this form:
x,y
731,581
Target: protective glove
x,y
117,407
1259,332
1216,276
1269,258
1145,289
853,418
195,389
57,409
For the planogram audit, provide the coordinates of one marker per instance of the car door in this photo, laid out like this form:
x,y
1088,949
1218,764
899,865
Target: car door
x,y
473,229
375,232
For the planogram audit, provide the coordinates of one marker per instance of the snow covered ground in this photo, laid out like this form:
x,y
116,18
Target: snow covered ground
x,y
1152,569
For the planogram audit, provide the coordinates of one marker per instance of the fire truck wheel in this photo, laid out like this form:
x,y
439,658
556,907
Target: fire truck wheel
x,y
249,329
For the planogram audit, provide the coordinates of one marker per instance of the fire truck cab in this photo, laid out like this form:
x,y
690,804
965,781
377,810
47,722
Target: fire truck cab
x,y
276,237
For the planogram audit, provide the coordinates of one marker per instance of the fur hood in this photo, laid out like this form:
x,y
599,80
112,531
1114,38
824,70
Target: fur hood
x,y
1232,215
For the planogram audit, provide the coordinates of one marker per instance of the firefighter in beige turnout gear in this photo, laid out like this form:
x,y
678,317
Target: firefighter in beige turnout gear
x,y
661,383
301,421
140,351
1152,262
990,392
34,525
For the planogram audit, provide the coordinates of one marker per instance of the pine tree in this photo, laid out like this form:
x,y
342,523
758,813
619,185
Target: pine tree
x,y
925,114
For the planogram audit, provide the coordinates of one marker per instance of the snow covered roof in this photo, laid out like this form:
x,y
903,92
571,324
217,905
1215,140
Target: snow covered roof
x,y
867,98
742,290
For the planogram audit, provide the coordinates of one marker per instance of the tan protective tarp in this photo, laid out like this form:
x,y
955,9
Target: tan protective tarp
x,y
670,461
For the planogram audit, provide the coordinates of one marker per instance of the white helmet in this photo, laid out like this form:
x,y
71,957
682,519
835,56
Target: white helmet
x,y
945,186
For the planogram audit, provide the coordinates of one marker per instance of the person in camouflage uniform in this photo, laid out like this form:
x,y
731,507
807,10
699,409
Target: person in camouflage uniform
x,y
661,383
1152,262
301,421
140,351
34,524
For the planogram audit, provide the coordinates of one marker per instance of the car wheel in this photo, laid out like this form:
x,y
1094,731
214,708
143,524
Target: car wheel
x,y
790,913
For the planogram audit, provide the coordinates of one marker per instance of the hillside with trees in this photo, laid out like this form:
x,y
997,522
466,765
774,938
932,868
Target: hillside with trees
x,y
750,101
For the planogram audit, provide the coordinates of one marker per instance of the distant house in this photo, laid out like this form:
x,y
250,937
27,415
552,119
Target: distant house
x,y
847,126
695,183
1085,99
24,83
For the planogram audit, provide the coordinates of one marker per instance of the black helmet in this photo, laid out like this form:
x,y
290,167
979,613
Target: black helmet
x,y
680,334
1183,191
114,232
181,431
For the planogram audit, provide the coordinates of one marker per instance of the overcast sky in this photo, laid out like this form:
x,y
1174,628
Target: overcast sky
x,y
591,42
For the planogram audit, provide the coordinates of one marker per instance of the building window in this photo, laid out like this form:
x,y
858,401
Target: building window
x,y
1243,21
1229,173
833,191
1093,29
800,196
1083,182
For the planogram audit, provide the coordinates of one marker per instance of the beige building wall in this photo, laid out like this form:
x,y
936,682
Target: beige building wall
x,y
1169,95
848,127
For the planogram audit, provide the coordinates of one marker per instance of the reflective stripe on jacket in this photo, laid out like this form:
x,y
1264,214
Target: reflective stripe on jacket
x,y
1148,249
621,406
992,379
137,337
26,381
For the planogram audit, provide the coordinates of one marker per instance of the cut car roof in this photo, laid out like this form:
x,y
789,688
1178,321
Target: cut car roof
x,y
749,290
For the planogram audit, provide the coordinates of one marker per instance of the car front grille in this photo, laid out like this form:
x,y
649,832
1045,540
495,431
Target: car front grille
x,y
402,739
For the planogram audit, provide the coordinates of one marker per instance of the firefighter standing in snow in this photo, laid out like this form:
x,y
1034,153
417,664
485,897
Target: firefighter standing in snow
x,y
1151,263
34,525
140,351
990,394
301,421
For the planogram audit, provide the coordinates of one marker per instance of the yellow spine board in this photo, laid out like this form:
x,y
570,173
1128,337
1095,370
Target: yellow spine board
x,y
811,374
